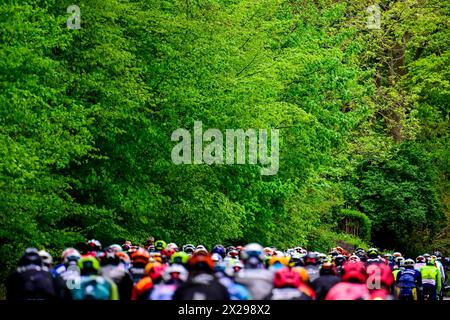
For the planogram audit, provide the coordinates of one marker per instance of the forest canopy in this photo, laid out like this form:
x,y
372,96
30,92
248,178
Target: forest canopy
x,y
86,117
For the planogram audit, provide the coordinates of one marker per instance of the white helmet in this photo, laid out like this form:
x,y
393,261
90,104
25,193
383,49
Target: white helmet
x,y
173,269
46,257
70,254
172,246
253,250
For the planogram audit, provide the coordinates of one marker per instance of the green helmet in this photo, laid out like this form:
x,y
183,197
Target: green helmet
x,y
88,265
160,245
180,257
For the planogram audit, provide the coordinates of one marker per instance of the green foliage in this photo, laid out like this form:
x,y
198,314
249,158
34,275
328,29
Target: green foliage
x,y
354,222
400,198
86,118
324,239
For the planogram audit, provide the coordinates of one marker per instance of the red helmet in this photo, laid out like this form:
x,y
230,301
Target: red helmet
x,y
168,252
140,256
286,278
382,273
354,272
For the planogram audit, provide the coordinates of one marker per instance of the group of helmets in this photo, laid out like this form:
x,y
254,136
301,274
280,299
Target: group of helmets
x,y
230,259
425,258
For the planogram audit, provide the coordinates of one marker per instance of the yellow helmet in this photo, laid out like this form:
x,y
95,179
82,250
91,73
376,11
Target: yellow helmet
x,y
303,274
284,260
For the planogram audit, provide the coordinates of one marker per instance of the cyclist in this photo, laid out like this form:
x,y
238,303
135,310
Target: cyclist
x,y
225,274
139,260
33,281
431,279
326,280
408,282
286,285
93,248
113,269
254,276
373,257
160,245
339,261
312,265
380,281
353,285
420,262
440,265
172,277
92,286
202,283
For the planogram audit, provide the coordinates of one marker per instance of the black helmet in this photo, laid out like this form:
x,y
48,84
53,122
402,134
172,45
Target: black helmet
x,y
109,258
30,257
339,260
438,254
189,248
327,268
373,253
447,261
334,253
361,255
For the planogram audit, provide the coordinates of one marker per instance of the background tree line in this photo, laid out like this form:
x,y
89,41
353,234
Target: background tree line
x,y
86,118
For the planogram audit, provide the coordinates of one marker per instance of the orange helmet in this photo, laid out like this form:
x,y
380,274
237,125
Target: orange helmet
x,y
147,268
141,288
140,256
156,257
200,262
123,256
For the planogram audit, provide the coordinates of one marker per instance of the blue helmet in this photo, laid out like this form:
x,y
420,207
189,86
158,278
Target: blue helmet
x,y
220,250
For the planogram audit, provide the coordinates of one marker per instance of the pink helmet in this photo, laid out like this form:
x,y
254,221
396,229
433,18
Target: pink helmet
x,y
285,278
